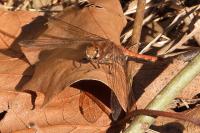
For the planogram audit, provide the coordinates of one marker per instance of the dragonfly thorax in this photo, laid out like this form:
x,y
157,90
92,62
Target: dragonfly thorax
x,y
92,52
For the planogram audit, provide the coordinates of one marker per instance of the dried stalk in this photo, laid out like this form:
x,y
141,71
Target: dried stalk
x,y
137,27
134,46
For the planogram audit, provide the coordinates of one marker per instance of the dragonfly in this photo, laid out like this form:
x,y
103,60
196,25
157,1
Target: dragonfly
x,y
98,51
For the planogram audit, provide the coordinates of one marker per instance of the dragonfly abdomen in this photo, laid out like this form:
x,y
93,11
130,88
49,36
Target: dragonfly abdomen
x,y
129,53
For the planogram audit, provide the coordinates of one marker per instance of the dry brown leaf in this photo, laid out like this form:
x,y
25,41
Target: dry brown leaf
x,y
100,21
21,111
18,113
13,70
56,68
11,24
64,129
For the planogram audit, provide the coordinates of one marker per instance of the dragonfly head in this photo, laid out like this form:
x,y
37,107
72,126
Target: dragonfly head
x,y
92,52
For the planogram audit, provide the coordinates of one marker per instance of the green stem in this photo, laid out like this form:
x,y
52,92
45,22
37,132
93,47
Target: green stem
x,y
141,123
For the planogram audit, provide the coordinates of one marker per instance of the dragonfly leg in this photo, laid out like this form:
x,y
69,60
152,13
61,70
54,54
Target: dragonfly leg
x,y
109,69
95,67
75,65
98,65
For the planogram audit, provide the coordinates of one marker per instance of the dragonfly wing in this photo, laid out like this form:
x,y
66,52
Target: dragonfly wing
x,y
119,78
52,43
69,36
74,31
115,106
33,48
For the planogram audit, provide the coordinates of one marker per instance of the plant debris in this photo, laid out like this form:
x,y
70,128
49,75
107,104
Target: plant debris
x,y
48,88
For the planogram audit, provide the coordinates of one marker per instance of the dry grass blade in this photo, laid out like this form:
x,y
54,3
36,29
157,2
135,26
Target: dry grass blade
x,y
147,47
134,45
169,47
133,6
137,27
185,38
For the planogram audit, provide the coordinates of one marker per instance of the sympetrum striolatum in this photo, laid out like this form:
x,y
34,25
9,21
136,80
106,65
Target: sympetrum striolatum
x,y
98,51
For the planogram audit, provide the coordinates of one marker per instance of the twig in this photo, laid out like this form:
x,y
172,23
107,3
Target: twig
x,y
155,113
135,40
137,27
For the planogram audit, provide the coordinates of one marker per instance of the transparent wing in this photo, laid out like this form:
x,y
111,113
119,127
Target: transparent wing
x,y
117,79
115,107
75,31
70,36
52,43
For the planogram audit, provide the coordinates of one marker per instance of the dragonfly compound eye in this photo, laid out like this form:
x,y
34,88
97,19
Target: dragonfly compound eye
x,y
92,52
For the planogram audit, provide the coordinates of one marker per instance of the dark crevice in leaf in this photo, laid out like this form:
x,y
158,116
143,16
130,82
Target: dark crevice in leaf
x,y
96,88
99,90
2,115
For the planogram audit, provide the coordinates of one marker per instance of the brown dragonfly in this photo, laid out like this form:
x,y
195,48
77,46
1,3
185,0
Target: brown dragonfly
x,y
98,51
